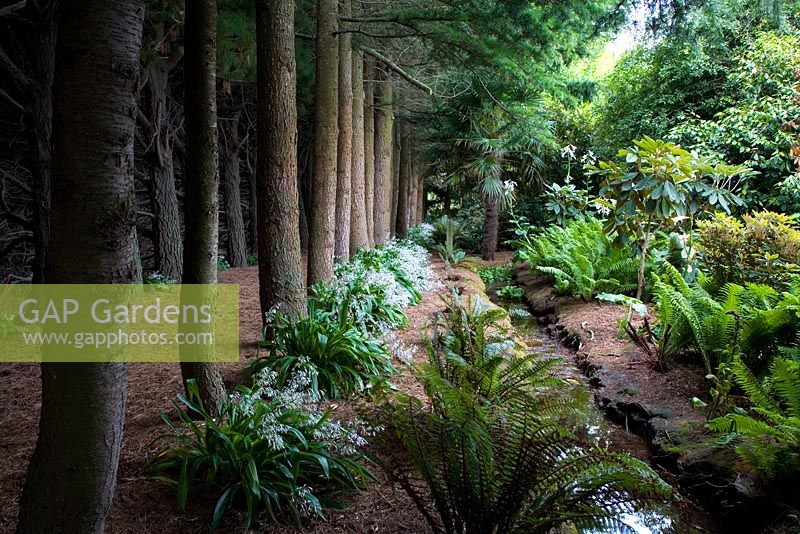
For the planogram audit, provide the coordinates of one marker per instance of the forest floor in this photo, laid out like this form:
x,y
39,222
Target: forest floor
x,y
144,505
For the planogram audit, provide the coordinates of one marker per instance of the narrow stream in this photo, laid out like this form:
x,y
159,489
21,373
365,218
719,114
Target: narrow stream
x,y
597,429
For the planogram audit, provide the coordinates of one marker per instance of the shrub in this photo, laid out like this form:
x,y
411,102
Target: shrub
x,y
768,437
422,235
364,300
489,447
763,248
252,260
270,450
581,259
342,358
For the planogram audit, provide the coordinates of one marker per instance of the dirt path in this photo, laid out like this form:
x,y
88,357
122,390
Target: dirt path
x,y
142,505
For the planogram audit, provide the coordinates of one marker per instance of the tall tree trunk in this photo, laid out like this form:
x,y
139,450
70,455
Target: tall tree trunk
x,y
359,238
232,183
490,228
412,196
251,177
404,181
345,145
369,147
280,270
384,120
396,147
72,474
201,177
421,206
322,227
41,118
163,196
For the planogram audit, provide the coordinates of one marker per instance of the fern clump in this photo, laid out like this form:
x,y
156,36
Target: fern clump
x,y
581,260
767,437
491,447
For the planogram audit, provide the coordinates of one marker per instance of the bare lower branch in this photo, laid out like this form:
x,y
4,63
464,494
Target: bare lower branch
x,y
396,68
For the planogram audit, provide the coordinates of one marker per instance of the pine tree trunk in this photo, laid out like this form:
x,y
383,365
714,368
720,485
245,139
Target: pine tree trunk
x,y
345,144
403,181
397,142
359,238
490,229
163,196
41,118
412,197
421,200
384,119
280,271
369,147
201,177
322,227
72,474
232,183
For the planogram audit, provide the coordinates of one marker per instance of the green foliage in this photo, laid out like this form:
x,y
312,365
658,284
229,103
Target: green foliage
x,y
660,185
252,260
581,259
273,454
566,202
367,304
510,292
446,230
751,320
495,273
768,436
343,358
222,264
490,449
758,128
762,248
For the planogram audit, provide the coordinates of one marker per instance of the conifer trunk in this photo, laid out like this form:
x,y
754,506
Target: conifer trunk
x,y
358,222
72,474
322,227
369,147
403,181
164,199
201,179
345,144
232,183
396,147
384,146
279,258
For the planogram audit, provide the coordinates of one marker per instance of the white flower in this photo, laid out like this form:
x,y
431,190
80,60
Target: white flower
x,y
569,151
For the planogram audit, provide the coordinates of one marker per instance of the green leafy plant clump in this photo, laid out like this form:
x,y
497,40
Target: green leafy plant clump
x,y
510,292
495,273
343,359
581,259
270,450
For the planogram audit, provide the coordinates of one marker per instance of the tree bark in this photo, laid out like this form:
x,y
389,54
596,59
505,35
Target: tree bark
x,y
41,118
369,147
396,148
322,227
72,474
404,181
359,238
344,158
164,199
490,228
384,120
201,179
412,196
280,271
232,183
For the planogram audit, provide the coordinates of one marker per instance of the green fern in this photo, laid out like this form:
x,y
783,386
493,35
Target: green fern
x,y
581,260
768,438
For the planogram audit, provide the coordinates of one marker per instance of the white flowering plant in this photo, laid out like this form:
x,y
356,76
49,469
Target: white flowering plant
x,y
271,449
343,358
422,235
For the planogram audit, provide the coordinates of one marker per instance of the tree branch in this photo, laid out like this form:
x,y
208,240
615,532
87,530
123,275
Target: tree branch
x,y
396,68
8,10
22,81
12,101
